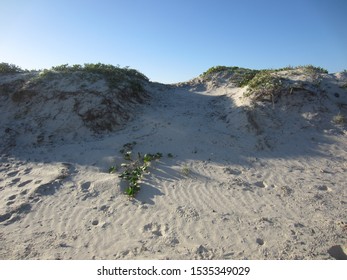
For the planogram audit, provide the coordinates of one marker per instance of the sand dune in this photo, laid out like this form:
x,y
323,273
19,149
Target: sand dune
x,y
238,179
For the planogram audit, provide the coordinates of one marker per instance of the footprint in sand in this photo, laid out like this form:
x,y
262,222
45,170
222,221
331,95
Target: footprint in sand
x,y
232,171
204,253
188,213
48,189
260,241
260,184
323,188
86,186
15,214
286,190
87,189
155,229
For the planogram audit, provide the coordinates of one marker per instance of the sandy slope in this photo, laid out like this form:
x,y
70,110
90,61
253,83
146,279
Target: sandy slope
x,y
243,183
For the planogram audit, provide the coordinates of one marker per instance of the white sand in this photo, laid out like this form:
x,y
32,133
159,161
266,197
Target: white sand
x,y
262,183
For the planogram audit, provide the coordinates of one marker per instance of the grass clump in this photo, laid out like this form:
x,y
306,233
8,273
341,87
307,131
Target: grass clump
x,y
339,119
185,170
112,169
6,68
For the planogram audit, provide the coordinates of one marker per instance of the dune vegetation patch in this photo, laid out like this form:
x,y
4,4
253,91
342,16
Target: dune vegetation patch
x,y
114,75
267,84
7,68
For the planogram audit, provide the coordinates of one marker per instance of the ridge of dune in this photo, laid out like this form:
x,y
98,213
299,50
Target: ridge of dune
x,y
250,175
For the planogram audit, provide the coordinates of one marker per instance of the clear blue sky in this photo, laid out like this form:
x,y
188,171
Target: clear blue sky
x,y
174,40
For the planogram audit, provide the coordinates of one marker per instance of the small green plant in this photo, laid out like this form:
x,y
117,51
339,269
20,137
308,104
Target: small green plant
x,y
185,170
112,169
149,157
127,155
133,174
135,169
339,119
128,147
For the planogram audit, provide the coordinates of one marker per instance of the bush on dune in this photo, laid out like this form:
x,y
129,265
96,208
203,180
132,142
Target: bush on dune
x,y
264,85
113,74
6,68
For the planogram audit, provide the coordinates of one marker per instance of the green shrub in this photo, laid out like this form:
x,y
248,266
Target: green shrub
x,y
134,169
264,85
7,68
247,76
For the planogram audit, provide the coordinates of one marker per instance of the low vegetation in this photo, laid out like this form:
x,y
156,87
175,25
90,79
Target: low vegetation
x,y
264,85
185,170
267,84
217,69
314,69
339,119
6,68
238,75
114,75
253,78
135,167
